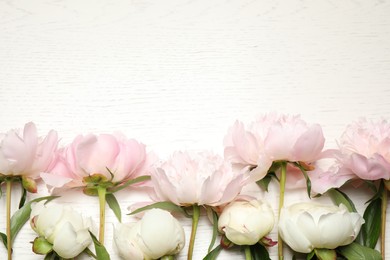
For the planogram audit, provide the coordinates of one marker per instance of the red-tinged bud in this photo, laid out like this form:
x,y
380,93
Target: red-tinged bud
x,y
307,166
32,223
29,184
226,243
266,241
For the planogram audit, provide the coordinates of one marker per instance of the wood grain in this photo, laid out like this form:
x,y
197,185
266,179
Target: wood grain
x,y
176,74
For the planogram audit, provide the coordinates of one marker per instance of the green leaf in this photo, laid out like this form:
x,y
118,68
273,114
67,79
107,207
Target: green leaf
x,y
264,183
308,182
41,246
100,250
325,254
371,185
370,230
358,252
213,254
20,217
128,183
23,197
111,174
114,205
52,256
259,252
90,253
338,197
378,193
274,167
310,255
3,238
166,205
215,228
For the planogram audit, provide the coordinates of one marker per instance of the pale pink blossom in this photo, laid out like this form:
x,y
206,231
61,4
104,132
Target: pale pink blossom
x,y
365,149
326,174
201,178
363,153
273,137
99,154
24,153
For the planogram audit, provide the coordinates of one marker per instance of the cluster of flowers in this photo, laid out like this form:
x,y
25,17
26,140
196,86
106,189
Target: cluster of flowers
x,y
279,148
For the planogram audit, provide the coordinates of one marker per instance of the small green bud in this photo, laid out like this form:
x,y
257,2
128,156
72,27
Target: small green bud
x,y
29,184
41,246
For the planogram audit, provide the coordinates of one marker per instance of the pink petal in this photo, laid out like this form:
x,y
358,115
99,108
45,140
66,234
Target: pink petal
x,y
55,181
96,153
369,168
309,145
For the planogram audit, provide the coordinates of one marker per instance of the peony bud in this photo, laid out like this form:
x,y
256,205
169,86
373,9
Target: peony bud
x,y
306,226
29,184
41,246
62,227
156,235
246,222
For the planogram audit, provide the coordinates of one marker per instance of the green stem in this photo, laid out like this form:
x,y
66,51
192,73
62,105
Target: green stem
x,y
195,220
281,203
248,255
102,205
8,216
383,222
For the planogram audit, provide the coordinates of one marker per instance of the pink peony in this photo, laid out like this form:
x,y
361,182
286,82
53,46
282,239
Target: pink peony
x,y
271,138
363,153
199,178
98,154
26,154
365,150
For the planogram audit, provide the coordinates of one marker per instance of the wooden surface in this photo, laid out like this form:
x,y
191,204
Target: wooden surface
x,y
177,74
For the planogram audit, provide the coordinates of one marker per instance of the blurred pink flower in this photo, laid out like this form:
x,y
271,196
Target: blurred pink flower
x,y
273,137
23,153
363,154
365,150
98,154
199,178
325,174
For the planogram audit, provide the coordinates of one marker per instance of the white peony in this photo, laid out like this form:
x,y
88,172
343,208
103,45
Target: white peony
x,y
305,226
246,222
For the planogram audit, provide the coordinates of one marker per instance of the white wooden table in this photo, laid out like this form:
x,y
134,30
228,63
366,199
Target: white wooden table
x,y
176,74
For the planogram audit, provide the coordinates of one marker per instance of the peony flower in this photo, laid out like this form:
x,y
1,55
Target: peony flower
x,y
100,163
156,235
274,141
364,148
98,154
246,222
23,153
363,154
62,227
325,175
306,226
23,156
272,138
196,179
199,178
